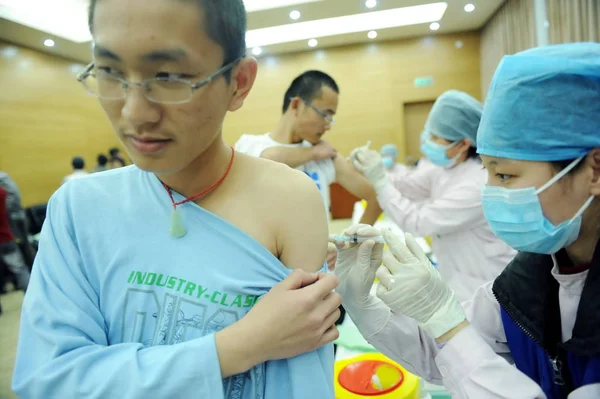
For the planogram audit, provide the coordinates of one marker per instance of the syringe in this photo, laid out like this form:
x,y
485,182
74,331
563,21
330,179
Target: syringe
x,y
355,239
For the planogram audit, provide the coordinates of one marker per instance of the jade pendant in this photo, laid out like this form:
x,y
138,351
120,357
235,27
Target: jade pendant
x,y
177,228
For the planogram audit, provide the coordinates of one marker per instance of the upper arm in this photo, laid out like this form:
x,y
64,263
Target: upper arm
x,y
60,286
457,209
415,185
472,369
477,360
60,309
352,180
302,228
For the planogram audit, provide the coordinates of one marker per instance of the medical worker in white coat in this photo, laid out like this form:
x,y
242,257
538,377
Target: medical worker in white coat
x,y
444,202
540,142
389,158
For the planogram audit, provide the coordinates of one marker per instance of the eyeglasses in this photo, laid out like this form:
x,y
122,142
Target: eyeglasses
x,y
161,90
326,116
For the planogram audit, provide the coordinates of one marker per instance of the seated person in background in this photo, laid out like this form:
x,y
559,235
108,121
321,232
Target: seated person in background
x,y
78,170
309,106
116,160
148,278
17,218
10,254
102,164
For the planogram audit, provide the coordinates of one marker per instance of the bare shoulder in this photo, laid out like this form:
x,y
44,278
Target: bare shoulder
x,y
270,175
293,207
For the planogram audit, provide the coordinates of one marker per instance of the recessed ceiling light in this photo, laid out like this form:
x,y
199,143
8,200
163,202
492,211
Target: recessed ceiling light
x,y
295,15
257,51
9,52
372,34
371,3
260,5
469,7
362,22
49,43
313,43
434,26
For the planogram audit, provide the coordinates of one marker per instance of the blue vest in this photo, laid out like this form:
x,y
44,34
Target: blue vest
x,y
528,296
531,359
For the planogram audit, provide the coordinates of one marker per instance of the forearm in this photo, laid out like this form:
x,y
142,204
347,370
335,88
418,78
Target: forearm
x,y
236,355
414,186
405,213
454,211
124,370
293,157
403,341
372,212
471,369
450,334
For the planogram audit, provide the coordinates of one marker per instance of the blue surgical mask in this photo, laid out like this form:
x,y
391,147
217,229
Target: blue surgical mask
x,y
436,153
516,217
388,162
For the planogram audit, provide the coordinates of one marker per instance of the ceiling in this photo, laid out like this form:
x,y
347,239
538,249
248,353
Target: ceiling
x,y
68,18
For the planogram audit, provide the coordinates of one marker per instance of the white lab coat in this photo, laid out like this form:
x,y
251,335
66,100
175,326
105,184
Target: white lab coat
x,y
446,205
475,364
399,170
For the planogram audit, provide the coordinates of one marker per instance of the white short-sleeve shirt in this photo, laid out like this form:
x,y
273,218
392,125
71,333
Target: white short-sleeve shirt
x,y
322,172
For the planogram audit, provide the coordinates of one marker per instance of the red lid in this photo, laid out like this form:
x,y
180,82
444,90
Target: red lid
x,y
364,378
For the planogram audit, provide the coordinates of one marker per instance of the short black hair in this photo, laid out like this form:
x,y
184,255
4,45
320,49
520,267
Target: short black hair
x,y
225,20
102,160
78,163
308,87
114,152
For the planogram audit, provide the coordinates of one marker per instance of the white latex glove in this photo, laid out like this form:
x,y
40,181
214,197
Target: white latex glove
x,y
369,163
331,258
410,285
356,268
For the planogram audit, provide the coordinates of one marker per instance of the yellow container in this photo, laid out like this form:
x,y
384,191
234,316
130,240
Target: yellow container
x,y
374,376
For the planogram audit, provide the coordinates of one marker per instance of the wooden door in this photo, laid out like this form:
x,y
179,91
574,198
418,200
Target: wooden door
x,y
415,116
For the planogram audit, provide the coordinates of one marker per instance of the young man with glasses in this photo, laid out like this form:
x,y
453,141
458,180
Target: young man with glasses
x,y
309,107
148,278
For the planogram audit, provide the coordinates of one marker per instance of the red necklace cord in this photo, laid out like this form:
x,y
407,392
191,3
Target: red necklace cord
x,y
204,192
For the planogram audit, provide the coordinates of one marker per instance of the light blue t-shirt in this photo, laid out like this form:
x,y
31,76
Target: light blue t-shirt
x,y
117,308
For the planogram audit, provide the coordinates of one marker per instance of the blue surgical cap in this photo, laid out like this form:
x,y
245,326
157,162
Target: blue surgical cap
x,y
544,105
389,150
455,116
